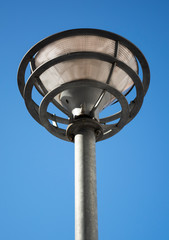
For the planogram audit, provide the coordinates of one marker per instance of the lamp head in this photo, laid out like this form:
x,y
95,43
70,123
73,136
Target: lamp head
x,y
81,72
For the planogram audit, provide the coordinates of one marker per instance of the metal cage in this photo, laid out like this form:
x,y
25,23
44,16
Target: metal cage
x,y
103,125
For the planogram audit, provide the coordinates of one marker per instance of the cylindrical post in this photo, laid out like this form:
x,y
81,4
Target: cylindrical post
x,y
86,227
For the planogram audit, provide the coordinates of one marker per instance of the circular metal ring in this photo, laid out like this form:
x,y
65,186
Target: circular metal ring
x,y
114,128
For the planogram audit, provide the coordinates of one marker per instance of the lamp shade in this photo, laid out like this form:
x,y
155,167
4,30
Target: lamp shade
x,y
85,68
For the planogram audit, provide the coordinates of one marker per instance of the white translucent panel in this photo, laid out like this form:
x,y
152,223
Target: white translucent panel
x,y
120,80
127,57
75,70
75,44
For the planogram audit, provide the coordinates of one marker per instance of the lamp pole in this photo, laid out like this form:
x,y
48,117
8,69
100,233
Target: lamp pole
x,y
85,133
85,186
81,72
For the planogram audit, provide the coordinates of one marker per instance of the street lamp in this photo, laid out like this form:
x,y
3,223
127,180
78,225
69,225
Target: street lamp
x,y
81,72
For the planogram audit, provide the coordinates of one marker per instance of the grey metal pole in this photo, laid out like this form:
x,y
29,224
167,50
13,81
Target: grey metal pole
x,y
86,227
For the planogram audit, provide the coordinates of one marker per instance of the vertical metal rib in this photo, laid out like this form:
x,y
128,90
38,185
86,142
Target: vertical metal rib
x,y
108,79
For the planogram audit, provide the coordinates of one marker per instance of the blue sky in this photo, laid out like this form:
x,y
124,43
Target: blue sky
x,y
37,169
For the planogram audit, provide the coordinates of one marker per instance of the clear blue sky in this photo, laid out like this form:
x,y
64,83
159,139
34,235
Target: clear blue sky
x,y
37,169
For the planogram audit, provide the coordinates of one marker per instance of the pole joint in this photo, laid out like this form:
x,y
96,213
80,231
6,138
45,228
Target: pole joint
x,y
81,124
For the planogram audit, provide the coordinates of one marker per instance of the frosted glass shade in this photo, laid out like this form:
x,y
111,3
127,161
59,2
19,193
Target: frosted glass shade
x,y
85,68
